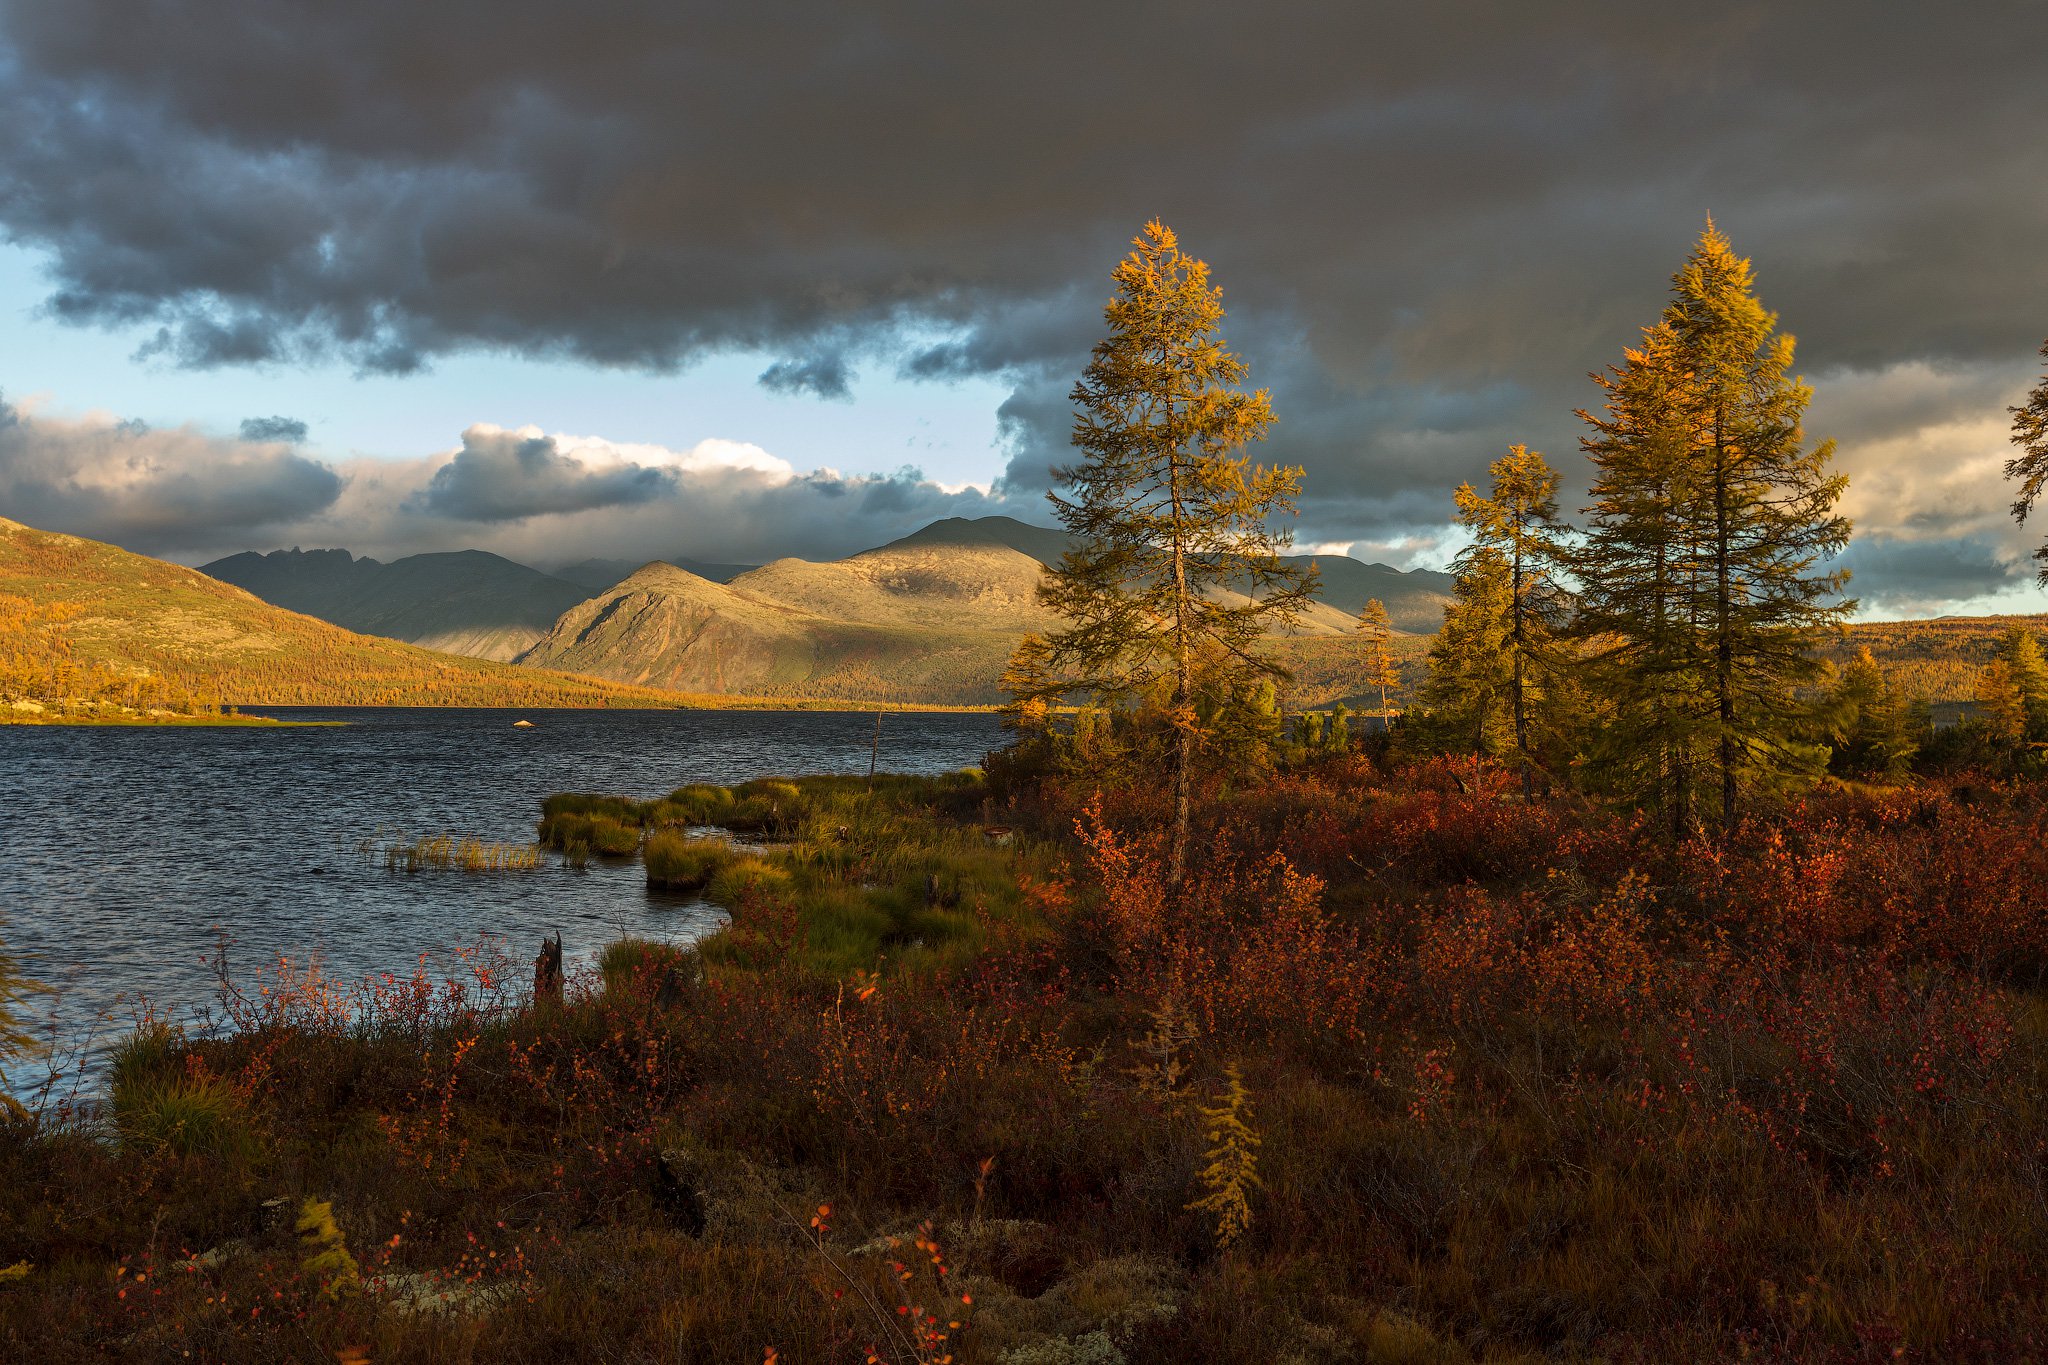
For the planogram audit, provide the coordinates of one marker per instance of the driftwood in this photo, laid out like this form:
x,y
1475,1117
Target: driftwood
x,y
547,972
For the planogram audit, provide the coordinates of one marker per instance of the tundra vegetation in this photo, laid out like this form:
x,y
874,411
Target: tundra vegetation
x,y
1187,1030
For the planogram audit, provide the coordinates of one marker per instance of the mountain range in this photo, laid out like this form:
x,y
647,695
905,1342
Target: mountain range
x,y
466,602
138,615
930,618
926,620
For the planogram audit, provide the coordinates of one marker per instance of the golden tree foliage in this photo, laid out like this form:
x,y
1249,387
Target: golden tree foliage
x,y
1233,1157
1377,669
1175,560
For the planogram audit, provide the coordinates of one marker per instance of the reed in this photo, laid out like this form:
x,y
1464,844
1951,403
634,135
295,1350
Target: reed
x,y
443,852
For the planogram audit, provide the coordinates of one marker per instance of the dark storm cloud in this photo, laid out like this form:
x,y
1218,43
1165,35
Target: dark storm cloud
x,y
503,475
160,491
287,430
556,499
1431,221
824,375
1909,578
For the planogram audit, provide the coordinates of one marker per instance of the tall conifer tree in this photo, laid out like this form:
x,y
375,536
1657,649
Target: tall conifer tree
x,y
1175,575
1377,670
1518,521
1465,702
2021,650
1632,568
1710,521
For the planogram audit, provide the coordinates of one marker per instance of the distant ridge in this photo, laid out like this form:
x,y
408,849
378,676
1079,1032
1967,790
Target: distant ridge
x,y
929,624
599,574
929,618
467,602
1414,598
146,616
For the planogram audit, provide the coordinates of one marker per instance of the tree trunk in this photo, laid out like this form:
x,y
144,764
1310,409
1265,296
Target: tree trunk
x,y
1183,680
1521,713
1183,700
1724,644
547,972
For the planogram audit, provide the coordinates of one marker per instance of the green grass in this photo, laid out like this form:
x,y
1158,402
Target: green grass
x,y
157,1106
897,874
677,862
640,964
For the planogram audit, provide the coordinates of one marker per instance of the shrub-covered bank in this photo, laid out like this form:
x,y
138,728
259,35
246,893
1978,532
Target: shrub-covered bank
x,y
1410,1069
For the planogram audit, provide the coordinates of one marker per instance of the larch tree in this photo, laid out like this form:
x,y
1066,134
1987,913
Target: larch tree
x,y
1631,568
2030,466
1030,688
1518,521
1711,520
2021,651
1377,670
1175,575
1872,730
1464,702
2001,708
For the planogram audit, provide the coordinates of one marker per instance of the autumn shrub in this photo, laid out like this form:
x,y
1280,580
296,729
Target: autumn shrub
x,y
1596,1097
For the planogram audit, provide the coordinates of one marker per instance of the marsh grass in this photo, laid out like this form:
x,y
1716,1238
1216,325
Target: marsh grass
x,y
893,871
189,1115
646,966
678,862
444,852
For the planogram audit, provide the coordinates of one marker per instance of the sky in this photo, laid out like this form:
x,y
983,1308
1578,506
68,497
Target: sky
x,y
629,279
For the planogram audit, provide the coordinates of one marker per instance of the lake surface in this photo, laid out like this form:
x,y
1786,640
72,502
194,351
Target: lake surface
x,y
126,853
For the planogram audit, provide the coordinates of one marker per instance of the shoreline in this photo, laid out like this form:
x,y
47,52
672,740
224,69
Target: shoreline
x,y
134,721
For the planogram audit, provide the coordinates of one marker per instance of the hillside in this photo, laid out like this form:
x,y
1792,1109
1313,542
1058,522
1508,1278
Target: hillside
x,y
128,613
1414,598
595,575
465,602
931,621
931,627
1938,659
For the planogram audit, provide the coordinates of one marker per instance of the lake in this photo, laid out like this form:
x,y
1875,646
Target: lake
x,y
127,853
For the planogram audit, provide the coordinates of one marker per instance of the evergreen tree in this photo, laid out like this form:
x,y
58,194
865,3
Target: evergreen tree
x,y
1377,671
1030,688
2021,651
2030,466
1518,522
1465,702
1874,731
1632,568
1176,558
2001,709
1710,518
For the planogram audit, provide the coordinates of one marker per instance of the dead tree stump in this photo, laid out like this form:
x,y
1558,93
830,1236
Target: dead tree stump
x,y
547,972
